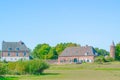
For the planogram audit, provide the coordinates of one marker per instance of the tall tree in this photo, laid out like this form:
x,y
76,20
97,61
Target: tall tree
x,y
45,51
60,47
52,54
101,52
117,51
41,51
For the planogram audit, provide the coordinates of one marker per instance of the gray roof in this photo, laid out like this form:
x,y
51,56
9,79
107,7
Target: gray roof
x,y
14,46
78,51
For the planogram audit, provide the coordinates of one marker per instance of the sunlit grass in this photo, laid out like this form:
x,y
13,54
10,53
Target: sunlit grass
x,y
88,71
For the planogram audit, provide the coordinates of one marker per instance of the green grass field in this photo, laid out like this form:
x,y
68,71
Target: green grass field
x,y
88,71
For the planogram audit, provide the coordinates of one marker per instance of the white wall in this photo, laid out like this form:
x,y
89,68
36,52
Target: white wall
x,y
13,59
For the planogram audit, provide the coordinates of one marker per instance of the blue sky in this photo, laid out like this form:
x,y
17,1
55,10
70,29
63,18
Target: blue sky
x,y
92,22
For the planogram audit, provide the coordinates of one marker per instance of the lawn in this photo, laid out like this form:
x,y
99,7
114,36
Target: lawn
x,y
86,71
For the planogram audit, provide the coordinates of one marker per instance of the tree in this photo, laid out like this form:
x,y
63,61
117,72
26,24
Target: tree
x,y
31,53
60,47
41,51
45,51
117,51
35,66
3,68
101,52
100,59
52,54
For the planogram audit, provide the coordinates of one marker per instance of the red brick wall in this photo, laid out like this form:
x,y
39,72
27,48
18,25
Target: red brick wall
x,y
77,57
13,54
112,51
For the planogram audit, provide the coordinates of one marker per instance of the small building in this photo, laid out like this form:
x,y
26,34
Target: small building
x,y
77,55
14,51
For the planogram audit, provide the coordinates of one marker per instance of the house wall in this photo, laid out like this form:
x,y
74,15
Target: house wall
x,y
13,56
13,59
75,59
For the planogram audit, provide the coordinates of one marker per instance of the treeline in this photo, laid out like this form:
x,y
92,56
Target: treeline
x,y
103,53
101,58
45,51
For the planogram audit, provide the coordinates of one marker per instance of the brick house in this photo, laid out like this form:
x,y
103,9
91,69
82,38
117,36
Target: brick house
x,y
77,54
14,51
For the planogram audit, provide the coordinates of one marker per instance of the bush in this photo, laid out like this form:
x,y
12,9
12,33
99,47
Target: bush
x,y
109,59
23,67
100,59
35,67
16,68
3,68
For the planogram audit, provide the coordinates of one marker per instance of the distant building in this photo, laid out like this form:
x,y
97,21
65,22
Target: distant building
x,y
77,55
14,51
112,50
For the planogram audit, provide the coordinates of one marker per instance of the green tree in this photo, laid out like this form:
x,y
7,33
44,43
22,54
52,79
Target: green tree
x,y
117,51
31,53
35,66
45,51
60,47
41,51
100,59
52,54
3,68
101,52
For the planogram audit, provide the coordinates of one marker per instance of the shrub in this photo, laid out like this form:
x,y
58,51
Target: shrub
x,y
3,68
35,66
16,68
25,67
100,59
109,59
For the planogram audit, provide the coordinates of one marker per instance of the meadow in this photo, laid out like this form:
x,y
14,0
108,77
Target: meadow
x,y
85,71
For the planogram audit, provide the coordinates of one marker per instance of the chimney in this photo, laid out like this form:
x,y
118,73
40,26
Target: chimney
x,y
21,42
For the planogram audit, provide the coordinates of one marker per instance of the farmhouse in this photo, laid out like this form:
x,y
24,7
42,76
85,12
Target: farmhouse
x,y
77,55
14,51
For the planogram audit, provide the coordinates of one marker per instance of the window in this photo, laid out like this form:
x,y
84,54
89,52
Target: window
x,y
88,61
76,52
86,53
8,53
17,54
17,49
9,49
24,53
